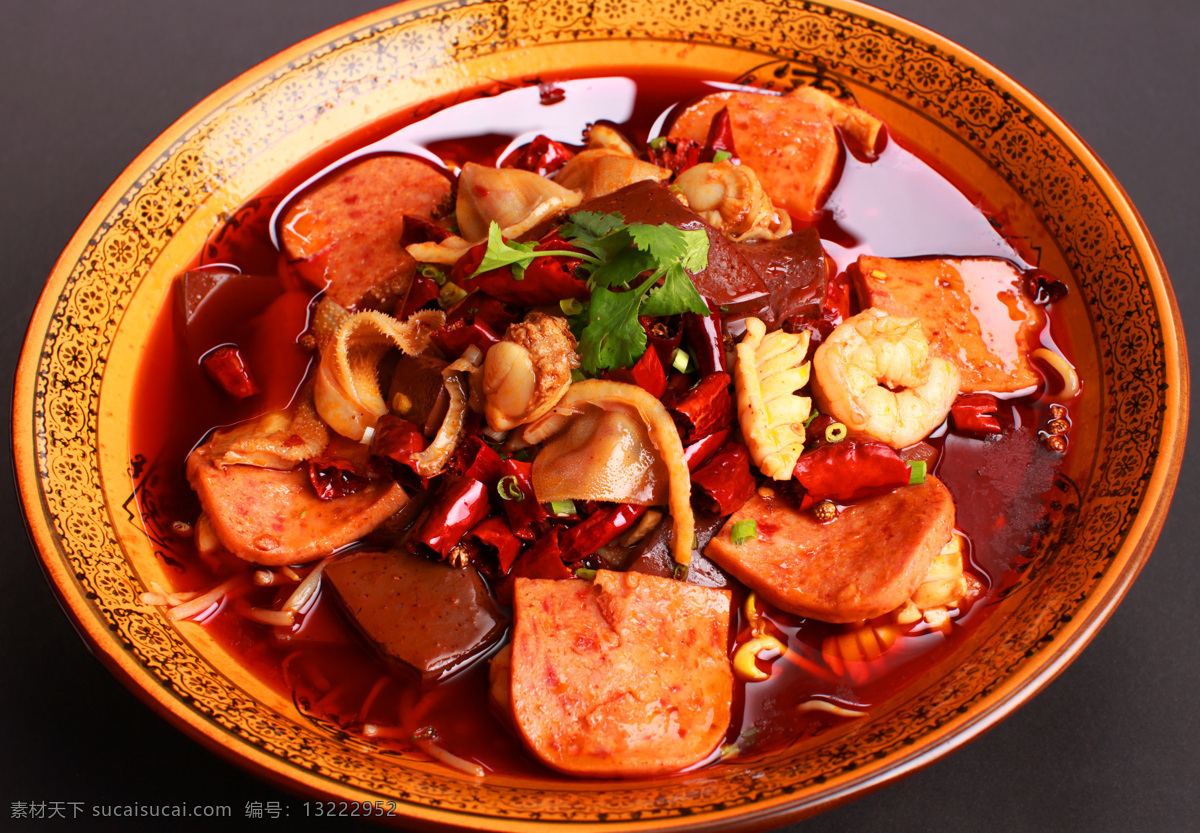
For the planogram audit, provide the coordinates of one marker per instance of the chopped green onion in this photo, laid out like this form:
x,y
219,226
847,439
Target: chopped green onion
x,y
814,415
509,488
450,294
657,142
721,156
433,273
681,361
570,306
562,507
916,474
680,573
744,531
835,432
585,574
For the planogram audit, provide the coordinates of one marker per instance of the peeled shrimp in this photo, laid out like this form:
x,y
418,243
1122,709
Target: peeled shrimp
x,y
875,374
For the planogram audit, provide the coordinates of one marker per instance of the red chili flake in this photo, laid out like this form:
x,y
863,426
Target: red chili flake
x,y
726,482
421,230
706,408
542,560
224,365
454,338
720,136
676,155
974,414
597,529
476,459
550,93
849,470
421,291
335,477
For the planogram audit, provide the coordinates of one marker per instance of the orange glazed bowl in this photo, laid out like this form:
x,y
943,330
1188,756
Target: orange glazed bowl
x,y
75,384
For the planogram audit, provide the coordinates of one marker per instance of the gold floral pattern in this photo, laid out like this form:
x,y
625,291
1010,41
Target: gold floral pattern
x,y
773,44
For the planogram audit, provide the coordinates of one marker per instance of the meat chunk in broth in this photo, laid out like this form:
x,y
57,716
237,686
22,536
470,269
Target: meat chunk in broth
x,y
621,677
864,563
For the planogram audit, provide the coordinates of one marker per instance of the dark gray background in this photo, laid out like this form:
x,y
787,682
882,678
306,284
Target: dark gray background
x,y
1112,744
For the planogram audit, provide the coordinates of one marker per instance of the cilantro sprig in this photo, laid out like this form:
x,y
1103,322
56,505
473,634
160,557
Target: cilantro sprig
x,y
632,269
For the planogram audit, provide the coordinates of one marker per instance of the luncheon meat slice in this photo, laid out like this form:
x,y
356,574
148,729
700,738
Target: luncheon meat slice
x,y
865,562
273,517
347,232
624,676
427,616
972,310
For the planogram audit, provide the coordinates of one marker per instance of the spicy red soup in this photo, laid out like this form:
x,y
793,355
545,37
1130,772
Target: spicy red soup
x,y
701,243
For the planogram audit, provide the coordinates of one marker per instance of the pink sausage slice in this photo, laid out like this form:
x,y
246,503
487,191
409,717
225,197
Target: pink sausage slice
x,y
624,676
864,563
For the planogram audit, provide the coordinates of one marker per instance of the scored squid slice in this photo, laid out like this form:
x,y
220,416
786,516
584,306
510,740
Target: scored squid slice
x,y
770,369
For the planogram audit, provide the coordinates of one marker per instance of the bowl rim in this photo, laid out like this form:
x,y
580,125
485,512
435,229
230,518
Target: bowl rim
x,y
1034,675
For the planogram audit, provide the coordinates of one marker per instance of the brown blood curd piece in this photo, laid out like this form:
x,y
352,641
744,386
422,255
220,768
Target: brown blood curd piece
x,y
346,232
429,617
273,517
972,310
864,563
624,676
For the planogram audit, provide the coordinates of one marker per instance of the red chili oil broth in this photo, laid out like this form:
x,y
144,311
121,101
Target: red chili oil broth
x,y
323,665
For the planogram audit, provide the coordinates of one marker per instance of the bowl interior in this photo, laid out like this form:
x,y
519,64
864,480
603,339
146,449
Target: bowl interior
x,y
75,383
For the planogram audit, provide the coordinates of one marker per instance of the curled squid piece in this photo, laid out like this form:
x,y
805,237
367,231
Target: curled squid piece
x,y
770,369
730,197
630,400
528,371
877,375
346,392
516,200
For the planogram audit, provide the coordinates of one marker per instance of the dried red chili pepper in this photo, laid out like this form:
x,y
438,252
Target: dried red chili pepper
x,y
476,459
543,156
550,94
702,450
726,482
525,515
461,505
542,560
420,230
706,408
496,545
974,414
647,373
664,335
597,529
676,155
720,137
398,440
335,477
546,280
705,336
224,365
454,338
421,291
849,470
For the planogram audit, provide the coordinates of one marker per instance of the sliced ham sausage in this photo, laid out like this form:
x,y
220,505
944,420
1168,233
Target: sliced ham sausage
x,y
864,563
624,676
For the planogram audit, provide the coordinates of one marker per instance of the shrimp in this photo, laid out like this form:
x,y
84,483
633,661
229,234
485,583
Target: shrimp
x,y
875,374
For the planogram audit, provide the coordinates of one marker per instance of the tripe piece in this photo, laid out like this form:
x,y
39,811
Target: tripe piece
x,y
624,676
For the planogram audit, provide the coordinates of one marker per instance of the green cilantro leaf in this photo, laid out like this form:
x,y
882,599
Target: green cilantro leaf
x,y
501,252
677,294
613,337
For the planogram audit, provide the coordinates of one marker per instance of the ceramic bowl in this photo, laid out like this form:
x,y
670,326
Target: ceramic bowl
x,y
76,376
